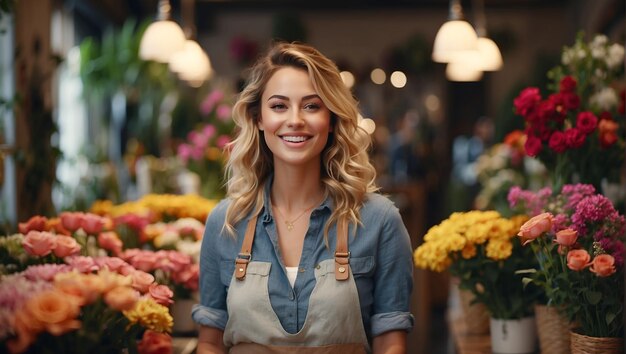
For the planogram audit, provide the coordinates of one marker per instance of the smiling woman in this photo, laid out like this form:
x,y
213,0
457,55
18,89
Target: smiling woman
x,y
277,249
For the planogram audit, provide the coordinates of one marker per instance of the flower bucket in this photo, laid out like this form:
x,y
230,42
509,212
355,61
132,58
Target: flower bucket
x,y
553,330
513,336
582,344
181,313
475,316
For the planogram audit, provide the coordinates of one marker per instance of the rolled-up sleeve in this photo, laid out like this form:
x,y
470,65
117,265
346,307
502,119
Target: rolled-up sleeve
x,y
393,278
211,311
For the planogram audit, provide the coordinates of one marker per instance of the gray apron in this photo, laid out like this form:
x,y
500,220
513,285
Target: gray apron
x,y
333,324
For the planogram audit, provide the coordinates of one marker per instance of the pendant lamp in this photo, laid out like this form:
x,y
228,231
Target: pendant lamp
x,y
162,38
454,36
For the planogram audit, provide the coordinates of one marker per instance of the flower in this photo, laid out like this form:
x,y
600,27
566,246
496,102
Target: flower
x,y
578,131
580,256
480,248
205,148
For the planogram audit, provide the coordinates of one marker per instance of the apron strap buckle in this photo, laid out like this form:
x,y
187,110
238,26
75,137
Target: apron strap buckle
x,y
241,265
342,265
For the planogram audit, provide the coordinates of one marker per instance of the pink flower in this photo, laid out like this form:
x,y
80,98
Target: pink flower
x,y
536,226
114,264
603,265
184,152
578,260
223,112
161,294
209,130
110,241
82,264
142,280
36,223
222,141
39,243
210,101
66,246
46,271
566,237
92,224
198,140
72,221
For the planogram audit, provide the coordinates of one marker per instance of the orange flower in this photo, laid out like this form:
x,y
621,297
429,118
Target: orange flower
x,y
142,280
603,265
606,131
86,288
55,311
121,298
55,225
578,260
534,227
25,331
566,237
39,243
71,221
37,223
66,246
155,343
109,241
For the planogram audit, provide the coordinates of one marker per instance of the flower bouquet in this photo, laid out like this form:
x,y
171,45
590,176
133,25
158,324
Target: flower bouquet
x,y
578,239
480,248
578,131
86,305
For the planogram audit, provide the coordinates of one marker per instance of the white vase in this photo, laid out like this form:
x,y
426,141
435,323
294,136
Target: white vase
x,y
513,336
181,313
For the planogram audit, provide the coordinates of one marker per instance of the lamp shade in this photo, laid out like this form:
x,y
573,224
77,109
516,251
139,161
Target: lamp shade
x,y
160,40
462,71
490,57
452,37
191,63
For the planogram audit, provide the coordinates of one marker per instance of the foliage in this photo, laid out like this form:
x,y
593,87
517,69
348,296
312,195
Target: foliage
x,y
480,248
578,239
578,132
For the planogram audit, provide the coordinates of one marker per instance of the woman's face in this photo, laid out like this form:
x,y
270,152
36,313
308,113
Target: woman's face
x,y
294,120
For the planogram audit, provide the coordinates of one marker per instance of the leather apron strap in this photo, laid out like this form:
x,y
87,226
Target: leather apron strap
x,y
342,255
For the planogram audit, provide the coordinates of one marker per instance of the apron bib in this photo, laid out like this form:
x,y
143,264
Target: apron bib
x,y
333,324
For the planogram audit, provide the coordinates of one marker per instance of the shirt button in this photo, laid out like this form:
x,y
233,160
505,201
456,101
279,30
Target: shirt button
x,y
318,266
291,297
301,270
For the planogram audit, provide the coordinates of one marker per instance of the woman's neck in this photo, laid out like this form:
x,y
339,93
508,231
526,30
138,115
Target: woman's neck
x,y
295,189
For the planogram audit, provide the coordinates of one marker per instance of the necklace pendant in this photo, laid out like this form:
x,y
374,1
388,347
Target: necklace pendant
x,y
289,225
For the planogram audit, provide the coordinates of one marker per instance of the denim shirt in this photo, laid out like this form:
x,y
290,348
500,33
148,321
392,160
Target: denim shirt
x,y
380,259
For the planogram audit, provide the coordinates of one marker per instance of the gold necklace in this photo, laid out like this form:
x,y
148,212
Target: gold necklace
x,y
290,224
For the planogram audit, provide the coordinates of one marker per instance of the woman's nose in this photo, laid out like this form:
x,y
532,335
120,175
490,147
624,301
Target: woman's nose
x,y
295,118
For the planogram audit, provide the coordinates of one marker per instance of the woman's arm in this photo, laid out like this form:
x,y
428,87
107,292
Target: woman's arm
x,y
392,342
210,341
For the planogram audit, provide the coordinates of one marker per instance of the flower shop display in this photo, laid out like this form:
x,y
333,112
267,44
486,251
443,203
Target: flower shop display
x,y
204,150
481,249
578,238
579,130
503,166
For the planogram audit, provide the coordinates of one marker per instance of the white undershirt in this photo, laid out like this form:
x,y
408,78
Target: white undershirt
x,y
292,274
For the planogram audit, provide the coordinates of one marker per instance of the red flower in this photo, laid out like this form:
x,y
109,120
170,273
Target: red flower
x,y
36,223
532,145
574,137
568,84
558,142
586,122
527,100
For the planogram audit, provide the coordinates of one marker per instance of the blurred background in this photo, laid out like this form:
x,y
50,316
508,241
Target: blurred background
x,y
89,110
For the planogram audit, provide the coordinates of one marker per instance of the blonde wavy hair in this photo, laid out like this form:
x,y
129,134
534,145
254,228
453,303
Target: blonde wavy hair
x,y
346,172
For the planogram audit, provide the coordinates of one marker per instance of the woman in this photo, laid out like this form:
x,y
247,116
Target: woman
x,y
302,257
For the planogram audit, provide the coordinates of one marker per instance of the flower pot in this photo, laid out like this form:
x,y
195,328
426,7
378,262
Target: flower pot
x,y
181,313
475,316
513,336
582,344
553,330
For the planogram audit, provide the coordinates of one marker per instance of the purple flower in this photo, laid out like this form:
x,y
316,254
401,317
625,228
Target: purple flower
x,y
596,208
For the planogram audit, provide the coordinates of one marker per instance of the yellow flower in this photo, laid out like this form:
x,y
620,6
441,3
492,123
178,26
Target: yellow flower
x,y
468,251
150,315
499,249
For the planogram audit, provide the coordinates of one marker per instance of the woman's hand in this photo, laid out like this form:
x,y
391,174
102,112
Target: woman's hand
x,y
392,342
210,341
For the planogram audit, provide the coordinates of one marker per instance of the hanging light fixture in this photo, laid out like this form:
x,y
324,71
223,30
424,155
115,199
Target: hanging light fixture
x,y
162,38
462,71
454,36
490,58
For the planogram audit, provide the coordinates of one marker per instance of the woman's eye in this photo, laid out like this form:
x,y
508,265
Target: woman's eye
x,y
311,106
278,106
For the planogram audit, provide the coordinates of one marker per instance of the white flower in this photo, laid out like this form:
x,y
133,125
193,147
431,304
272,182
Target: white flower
x,y
167,238
599,40
567,57
605,99
191,248
615,56
580,53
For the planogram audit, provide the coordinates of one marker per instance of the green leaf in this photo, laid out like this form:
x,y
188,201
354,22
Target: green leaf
x,y
526,271
593,297
610,317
